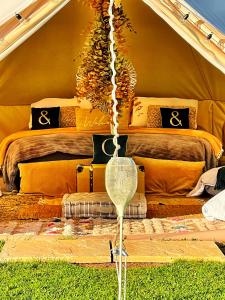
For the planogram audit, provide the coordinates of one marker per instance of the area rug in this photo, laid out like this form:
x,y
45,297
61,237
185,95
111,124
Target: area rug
x,y
15,206
103,227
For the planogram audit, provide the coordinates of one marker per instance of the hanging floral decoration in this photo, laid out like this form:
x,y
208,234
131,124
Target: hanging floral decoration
x,y
94,73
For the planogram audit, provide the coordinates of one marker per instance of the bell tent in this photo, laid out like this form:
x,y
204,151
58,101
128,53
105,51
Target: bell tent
x,y
178,50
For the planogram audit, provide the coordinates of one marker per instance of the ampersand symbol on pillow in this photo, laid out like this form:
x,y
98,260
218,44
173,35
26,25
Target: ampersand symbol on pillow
x,y
175,115
43,119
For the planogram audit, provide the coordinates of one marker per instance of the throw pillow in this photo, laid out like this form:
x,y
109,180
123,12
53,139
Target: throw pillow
x,y
68,116
92,119
154,119
104,147
141,104
170,177
51,178
44,118
175,118
60,102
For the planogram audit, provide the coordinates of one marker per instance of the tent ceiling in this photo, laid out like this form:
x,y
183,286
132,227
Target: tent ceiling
x,y
167,66
195,30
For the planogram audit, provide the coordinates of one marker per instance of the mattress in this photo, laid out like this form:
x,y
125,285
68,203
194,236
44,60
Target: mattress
x,y
86,205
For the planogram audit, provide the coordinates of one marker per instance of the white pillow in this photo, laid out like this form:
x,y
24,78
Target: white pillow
x,y
60,102
214,209
141,104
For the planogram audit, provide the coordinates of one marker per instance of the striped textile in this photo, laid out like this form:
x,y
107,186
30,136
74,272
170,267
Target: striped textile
x,y
86,205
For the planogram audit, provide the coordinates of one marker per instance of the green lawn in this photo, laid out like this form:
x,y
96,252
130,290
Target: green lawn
x,y
57,280
1,244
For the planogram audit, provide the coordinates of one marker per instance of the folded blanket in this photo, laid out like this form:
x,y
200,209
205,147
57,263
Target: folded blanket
x,y
215,143
208,179
192,145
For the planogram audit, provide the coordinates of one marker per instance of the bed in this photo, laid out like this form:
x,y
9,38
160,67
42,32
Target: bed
x,y
158,143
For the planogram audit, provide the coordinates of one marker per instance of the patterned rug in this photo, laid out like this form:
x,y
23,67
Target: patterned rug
x,y
102,227
15,206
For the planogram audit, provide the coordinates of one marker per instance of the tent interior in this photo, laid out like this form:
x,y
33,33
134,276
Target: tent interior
x,y
45,66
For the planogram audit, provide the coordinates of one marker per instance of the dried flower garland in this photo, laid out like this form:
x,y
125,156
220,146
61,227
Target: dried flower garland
x,y
94,73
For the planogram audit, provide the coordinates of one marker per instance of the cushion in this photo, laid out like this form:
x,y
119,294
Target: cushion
x,y
92,119
154,119
141,104
52,178
183,175
104,147
98,204
60,102
68,116
207,179
44,118
175,118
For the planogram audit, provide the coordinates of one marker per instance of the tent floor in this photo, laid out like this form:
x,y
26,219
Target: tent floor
x,y
25,207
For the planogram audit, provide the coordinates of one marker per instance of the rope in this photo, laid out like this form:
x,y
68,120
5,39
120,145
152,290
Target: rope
x,y
119,250
113,79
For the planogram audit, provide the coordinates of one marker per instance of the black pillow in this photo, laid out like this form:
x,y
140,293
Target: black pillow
x,y
43,118
175,118
104,147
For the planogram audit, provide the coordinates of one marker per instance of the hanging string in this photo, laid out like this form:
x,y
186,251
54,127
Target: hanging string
x,y
113,80
118,251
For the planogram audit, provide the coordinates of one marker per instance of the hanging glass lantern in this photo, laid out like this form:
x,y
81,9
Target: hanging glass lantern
x,y
121,185
121,182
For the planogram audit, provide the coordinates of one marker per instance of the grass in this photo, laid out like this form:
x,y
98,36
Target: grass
x,y
2,243
63,281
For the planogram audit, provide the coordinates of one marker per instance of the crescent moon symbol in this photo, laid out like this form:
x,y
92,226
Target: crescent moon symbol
x,y
103,147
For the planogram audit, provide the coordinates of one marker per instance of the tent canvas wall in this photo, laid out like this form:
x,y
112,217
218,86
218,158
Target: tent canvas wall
x,y
167,66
